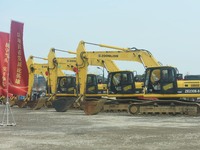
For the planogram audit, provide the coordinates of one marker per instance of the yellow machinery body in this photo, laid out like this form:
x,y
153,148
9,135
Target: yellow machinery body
x,y
171,90
62,63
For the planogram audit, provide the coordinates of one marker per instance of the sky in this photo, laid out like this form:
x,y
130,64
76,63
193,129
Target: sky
x,y
169,29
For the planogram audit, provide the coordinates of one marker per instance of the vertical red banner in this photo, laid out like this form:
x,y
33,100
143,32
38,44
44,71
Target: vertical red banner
x,y
4,52
18,71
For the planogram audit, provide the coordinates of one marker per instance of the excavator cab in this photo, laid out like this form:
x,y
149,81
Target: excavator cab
x,y
161,80
92,84
66,84
121,82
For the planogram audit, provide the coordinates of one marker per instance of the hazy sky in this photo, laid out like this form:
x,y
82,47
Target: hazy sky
x,y
169,29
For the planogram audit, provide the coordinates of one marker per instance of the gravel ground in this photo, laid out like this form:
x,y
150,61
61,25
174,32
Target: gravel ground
x,y
47,129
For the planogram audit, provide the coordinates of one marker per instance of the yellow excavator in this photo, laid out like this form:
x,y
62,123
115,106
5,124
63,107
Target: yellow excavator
x,y
133,88
99,59
34,70
174,93
121,84
65,87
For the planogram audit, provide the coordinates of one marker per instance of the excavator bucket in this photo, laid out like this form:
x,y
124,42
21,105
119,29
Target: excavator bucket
x,y
40,103
93,107
21,104
48,104
4,100
13,101
62,104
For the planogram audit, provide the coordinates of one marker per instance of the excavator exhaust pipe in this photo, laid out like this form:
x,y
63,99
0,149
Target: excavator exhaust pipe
x,y
93,106
62,104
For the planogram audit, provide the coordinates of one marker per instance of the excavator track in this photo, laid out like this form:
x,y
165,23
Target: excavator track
x,y
173,107
94,106
137,107
118,105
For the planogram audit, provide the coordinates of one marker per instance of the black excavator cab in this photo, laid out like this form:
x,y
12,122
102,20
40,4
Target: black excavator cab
x,y
121,82
92,84
161,80
66,85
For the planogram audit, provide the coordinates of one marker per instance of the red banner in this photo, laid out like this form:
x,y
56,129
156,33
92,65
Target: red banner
x,y
4,52
18,71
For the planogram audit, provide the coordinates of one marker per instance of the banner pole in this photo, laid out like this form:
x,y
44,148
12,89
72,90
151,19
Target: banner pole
x,y
7,111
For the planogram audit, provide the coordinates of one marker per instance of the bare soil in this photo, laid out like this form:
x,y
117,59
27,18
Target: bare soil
x,y
47,129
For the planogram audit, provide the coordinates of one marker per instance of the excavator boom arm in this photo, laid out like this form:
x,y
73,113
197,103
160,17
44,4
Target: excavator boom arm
x,y
142,56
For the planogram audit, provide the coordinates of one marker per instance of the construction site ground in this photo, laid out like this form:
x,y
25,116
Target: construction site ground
x,y
46,129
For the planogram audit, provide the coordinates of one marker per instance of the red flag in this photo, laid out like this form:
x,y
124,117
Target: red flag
x,y
4,52
18,71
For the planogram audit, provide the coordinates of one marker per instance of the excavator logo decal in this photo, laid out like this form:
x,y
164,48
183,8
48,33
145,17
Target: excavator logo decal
x,y
71,60
107,55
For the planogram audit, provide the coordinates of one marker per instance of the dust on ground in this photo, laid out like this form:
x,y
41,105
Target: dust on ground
x,y
46,129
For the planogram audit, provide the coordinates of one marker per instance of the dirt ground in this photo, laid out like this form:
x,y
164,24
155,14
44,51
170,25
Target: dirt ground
x,y
47,129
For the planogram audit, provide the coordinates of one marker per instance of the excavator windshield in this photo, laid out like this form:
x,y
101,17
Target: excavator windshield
x,y
121,82
92,84
66,84
161,80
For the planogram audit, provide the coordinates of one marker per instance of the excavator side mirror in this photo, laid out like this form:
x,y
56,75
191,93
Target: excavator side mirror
x,y
99,81
179,76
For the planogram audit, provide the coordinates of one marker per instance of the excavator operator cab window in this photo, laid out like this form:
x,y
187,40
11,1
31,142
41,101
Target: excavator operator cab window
x,y
92,84
168,75
124,78
61,85
62,82
91,80
121,82
69,81
127,78
155,79
116,78
66,85
165,75
161,80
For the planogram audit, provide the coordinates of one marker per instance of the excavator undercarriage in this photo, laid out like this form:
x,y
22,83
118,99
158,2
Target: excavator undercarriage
x,y
160,82
138,107
165,107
